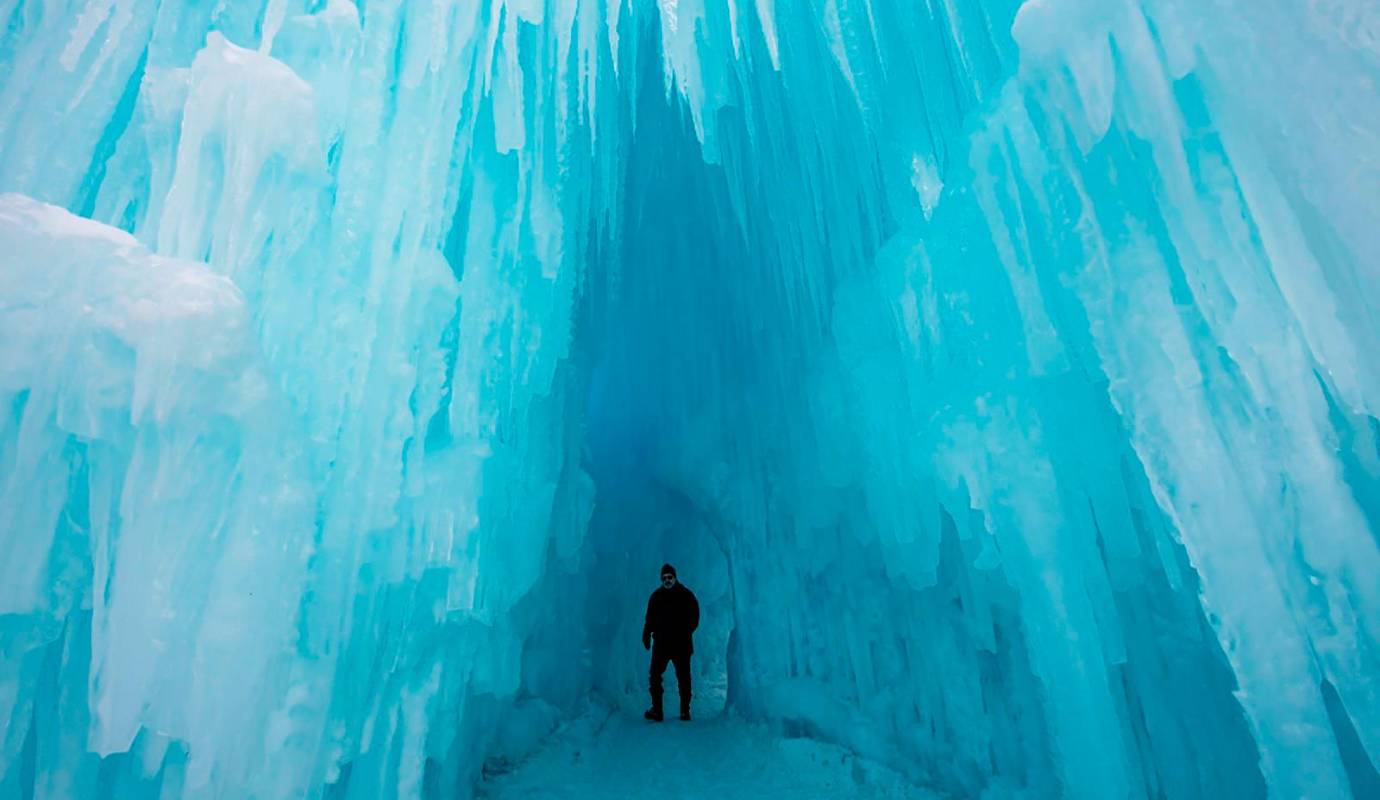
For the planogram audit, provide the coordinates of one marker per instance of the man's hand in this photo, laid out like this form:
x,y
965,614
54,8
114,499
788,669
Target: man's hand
x,y
646,641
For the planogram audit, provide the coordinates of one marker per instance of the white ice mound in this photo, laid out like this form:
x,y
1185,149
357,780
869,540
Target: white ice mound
x,y
147,478
116,333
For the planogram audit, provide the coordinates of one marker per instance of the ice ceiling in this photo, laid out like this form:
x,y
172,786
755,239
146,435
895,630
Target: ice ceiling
x,y
1001,375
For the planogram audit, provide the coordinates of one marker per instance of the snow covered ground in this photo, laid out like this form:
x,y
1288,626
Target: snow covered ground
x,y
614,753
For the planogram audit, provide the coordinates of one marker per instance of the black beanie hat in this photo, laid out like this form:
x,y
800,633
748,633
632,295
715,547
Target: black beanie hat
x,y
667,569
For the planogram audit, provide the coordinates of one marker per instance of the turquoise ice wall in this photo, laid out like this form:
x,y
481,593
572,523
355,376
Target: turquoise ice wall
x,y
1005,370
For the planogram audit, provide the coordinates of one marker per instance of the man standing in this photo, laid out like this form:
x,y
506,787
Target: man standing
x,y
673,614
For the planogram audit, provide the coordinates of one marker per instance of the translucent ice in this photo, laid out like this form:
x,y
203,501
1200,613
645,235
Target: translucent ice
x,y
999,374
157,517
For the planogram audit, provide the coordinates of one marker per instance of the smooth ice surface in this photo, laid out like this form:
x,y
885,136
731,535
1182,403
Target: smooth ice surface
x,y
999,374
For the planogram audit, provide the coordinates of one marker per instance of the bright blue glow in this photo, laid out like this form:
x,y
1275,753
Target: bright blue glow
x,y
1000,375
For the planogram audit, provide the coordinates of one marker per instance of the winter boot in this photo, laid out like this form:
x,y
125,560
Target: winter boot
x,y
685,712
653,714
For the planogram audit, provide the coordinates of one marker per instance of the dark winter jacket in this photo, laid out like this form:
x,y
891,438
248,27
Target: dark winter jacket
x,y
672,616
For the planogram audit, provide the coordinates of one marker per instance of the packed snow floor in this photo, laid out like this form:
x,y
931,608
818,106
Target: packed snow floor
x,y
614,753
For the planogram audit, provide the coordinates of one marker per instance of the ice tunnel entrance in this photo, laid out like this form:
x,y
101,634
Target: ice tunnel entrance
x,y
659,335
637,525
755,416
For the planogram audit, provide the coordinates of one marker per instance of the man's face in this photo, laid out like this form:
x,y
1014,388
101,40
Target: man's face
x,y
668,580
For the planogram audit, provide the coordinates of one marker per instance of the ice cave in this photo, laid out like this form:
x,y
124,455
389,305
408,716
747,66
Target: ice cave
x,y
1003,376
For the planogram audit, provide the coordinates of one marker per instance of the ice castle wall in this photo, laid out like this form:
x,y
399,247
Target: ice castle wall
x,y
1015,357
401,200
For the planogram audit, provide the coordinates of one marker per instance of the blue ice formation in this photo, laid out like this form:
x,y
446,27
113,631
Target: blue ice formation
x,y
1001,375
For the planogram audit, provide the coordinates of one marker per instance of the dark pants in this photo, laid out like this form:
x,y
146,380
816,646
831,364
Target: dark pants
x,y
661,656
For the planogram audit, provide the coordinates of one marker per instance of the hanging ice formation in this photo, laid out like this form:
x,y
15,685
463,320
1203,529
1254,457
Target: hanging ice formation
x,y
1015,363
